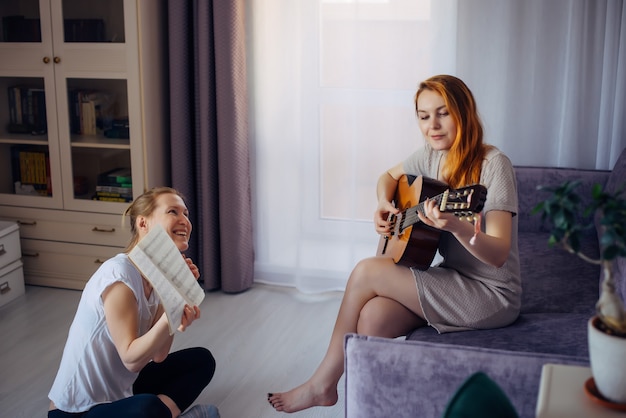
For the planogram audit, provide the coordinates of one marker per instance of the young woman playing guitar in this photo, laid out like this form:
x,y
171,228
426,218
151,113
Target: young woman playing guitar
x,y
476,286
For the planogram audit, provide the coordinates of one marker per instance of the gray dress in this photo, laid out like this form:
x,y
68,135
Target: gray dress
x,y
463,293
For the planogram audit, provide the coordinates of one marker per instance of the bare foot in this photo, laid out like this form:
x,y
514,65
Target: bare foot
x,y
303,397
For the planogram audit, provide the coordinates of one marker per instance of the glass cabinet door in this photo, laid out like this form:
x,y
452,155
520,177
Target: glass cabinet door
x,y
99,140
21,21
93,111
68,97
29,152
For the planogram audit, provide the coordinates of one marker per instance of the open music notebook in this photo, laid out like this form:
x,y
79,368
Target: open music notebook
x,y
161,263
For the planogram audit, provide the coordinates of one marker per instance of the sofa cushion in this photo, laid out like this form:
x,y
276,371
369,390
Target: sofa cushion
x,y
556,333
528,178
479,397
554,280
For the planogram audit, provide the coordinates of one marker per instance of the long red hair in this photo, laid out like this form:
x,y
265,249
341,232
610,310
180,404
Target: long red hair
x,y
464,160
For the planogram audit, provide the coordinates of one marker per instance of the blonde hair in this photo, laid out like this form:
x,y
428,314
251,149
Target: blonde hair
x,y
465,157
144,205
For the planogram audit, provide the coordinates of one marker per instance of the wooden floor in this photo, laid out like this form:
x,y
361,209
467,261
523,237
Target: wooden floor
x,y
265,339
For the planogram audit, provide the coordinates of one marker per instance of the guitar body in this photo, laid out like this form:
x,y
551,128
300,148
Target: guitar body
x,y
413,243
416,245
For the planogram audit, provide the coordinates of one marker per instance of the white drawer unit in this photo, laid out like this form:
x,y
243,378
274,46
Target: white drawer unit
x,y
9,243
66,265
65,226
11,282
11,273
64,248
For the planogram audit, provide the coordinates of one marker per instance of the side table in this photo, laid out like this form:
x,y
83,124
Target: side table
x,y
562,394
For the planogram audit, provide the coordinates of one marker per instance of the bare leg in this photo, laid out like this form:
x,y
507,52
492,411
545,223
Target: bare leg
x,y
371,278
385,317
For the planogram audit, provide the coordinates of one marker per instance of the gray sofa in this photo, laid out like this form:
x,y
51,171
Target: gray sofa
x,y
416,376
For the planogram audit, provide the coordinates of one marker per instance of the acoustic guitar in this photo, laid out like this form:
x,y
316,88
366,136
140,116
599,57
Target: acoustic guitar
x,y
413,243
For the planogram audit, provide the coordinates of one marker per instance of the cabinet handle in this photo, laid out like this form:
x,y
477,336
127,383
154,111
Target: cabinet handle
x,y
26,254
2,250
57,60
27,223
5,288
46,60
96,229
98,261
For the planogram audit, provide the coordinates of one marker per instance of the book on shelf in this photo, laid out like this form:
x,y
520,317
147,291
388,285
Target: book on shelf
x,y
88,117
106,183
124,190
27,110
126,196
91,111
115,186
115,177
120,128
113,199
31,167
161,263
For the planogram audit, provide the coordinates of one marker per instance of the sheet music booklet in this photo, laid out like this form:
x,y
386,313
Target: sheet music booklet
x,y
161,263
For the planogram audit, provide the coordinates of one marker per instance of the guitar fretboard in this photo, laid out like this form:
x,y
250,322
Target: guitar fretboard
x,y
410,217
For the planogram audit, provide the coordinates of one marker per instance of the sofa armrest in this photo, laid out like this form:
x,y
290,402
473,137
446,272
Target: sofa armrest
x,y
398,378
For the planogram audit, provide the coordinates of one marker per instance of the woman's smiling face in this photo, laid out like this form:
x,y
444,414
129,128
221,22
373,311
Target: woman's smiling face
x,y
172,214
435,122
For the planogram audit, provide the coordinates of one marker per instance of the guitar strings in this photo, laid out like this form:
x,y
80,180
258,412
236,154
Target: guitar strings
x,y
410,217
412,212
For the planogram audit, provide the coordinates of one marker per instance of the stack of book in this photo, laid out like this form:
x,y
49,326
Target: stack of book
x,y
120,128
115,186
27,110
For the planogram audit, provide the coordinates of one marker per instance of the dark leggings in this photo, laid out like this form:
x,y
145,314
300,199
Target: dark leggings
x,y
181,376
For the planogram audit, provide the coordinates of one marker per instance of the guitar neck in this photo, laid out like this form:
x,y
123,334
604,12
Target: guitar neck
x,y
410,217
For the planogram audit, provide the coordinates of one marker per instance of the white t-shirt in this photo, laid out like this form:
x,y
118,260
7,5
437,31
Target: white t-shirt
x,y
91,371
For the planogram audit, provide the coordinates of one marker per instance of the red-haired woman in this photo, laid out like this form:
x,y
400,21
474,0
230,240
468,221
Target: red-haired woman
x,y
476,286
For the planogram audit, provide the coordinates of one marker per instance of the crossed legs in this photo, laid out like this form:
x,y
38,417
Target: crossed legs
x,y
380,300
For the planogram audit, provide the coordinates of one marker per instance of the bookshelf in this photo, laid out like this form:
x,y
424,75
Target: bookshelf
x,y
82,88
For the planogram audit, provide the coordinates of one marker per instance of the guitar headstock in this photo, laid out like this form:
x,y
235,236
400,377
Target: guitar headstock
x,y
464,202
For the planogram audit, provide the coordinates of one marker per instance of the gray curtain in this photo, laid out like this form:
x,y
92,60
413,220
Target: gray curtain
x,y
209,136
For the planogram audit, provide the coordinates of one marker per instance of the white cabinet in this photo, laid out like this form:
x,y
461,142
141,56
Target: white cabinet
x,y
11,272
83,127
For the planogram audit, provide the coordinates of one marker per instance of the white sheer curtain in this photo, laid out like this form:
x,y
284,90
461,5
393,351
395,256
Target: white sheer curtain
x,y
549,77
332,107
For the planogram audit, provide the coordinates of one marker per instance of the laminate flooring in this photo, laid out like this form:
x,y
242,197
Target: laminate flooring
x,y
265,339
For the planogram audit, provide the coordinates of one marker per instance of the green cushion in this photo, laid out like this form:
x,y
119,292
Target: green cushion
x,y
479,397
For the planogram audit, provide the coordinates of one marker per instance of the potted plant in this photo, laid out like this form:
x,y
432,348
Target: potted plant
x,y
607,329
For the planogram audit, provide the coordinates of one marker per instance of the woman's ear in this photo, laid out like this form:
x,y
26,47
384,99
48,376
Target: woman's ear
x,y
142,223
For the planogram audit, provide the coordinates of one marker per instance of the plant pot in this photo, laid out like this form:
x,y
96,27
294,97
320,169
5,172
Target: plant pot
x,y
607,355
